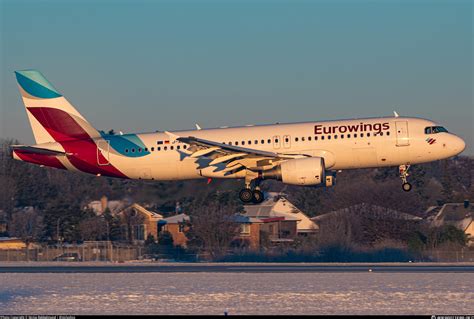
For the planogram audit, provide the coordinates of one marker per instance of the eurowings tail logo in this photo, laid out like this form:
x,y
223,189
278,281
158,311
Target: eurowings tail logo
x,y
430,140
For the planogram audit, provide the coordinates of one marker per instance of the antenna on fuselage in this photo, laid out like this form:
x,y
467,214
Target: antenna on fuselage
x,y
198,127
395,114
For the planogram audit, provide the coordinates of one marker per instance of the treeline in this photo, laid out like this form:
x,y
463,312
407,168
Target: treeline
x,y
60,197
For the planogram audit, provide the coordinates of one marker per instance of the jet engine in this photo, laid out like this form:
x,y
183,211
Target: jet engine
x,y
308,171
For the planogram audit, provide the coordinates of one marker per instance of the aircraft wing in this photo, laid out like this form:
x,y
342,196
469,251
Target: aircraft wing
x,y
234,157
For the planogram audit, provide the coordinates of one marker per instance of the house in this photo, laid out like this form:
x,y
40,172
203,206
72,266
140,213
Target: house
x,y
11,243
276,221
459,215
177,226
114,206
277,205
139,222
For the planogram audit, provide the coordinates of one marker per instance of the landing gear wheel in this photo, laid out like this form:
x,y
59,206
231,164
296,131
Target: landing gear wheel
x,y
246,195
406,187
257,196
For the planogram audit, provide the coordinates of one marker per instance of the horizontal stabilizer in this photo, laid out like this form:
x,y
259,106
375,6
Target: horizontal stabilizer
x,y
36,150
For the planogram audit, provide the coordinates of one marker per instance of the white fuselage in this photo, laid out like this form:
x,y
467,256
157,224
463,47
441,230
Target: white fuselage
x,y
344,144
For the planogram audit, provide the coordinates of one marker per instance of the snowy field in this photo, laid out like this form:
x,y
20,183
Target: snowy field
x,y
237,293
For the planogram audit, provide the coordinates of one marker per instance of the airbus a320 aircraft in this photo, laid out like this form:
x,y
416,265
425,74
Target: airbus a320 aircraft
x,y
306,154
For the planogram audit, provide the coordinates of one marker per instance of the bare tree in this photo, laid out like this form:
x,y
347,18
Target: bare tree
x,y
94,228
213,228
27,226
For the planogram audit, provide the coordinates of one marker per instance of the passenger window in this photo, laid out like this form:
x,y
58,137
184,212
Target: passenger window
x,y
171,147
315,138
296,139
322,137
269,141
146,149
165,148
355,135
276,140
368,134
243,142
302,139
388,133
139,150
178,147
335,136
256,141
250,142
286,139
361,134
133,150
126,150
329,137
185,146
158,149
152,149
309,138
342,135
236,143
381,133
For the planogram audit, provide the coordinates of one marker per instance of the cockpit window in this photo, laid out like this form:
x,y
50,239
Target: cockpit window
x,y
435,129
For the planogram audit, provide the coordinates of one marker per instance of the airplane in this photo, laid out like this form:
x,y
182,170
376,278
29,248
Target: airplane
x,y
306,154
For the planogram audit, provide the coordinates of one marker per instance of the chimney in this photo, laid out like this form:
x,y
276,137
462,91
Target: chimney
x,y
466,203
103,203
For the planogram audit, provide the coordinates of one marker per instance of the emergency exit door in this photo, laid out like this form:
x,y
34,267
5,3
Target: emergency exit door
x,y
402,133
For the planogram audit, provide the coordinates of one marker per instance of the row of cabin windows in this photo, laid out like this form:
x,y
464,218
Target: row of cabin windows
x,y
152,149
269,141
309,138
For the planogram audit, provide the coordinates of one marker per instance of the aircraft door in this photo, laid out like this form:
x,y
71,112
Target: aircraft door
x,y
276,141
402,133
287,141
103,152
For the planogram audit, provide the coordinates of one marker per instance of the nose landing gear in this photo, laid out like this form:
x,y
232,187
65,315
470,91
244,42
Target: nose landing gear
x,y
403,169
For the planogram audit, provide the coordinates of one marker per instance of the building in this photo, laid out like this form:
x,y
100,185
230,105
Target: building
x,y
177,226
138,223
277,205
274,222
459,215
114,206
258,233
11,243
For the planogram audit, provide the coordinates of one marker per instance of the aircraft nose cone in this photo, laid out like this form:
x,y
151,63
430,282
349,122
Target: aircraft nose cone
x,y
459,145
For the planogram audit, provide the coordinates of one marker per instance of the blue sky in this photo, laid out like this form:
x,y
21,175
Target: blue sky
x,y
164,65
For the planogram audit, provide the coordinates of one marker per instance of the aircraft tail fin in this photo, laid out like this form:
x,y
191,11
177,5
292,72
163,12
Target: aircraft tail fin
x,y
52,117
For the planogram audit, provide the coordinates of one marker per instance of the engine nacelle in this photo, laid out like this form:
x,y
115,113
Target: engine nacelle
x,y
300,171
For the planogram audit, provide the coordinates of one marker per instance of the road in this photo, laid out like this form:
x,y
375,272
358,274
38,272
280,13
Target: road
x,y
233,268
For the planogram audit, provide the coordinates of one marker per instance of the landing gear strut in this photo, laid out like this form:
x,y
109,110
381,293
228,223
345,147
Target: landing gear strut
x,y
251,194
403,169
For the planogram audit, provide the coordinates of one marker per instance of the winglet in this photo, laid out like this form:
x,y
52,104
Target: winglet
x,y
395,114
172,137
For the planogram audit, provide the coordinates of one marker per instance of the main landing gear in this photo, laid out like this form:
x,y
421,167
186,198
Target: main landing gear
x,y
251,195
403,169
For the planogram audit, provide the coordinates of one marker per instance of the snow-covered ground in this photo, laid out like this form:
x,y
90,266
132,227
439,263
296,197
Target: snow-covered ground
x,y
237,293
